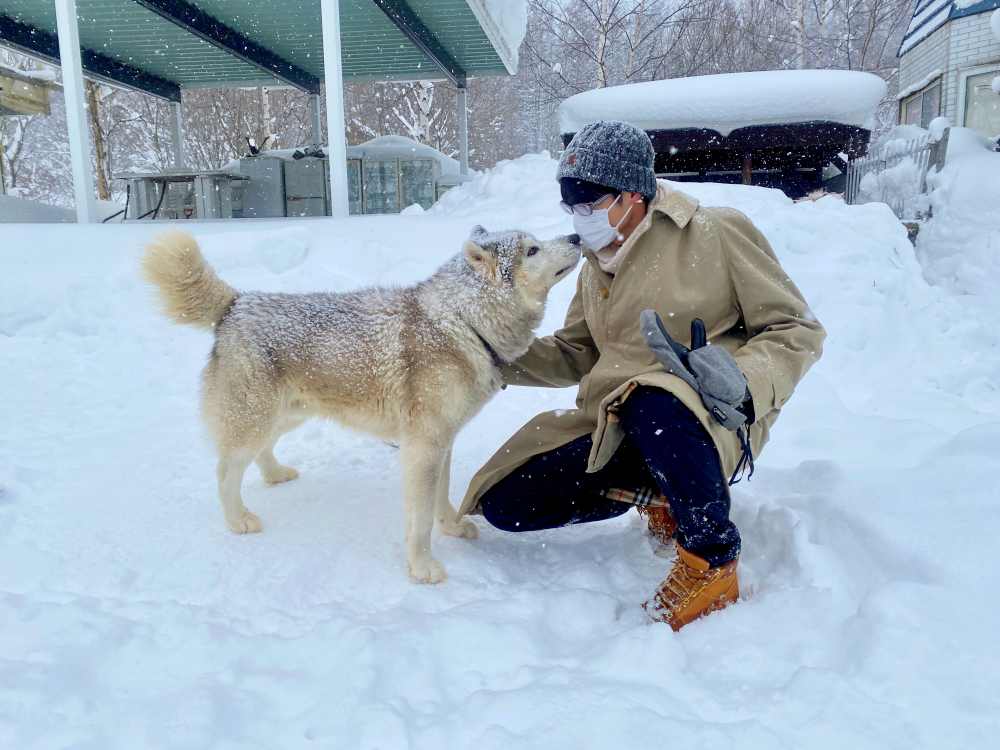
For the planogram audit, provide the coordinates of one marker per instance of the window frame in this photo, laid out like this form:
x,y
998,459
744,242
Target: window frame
x,y
918,98
963,86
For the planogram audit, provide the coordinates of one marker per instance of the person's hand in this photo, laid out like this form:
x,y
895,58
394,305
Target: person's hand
x,y
709,369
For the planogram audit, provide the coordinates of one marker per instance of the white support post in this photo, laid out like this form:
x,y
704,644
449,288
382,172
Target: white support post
x,y
316,111
336,127
76,111
177,134
463,130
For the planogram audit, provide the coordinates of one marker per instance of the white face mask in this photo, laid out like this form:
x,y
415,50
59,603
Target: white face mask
x,y
595,230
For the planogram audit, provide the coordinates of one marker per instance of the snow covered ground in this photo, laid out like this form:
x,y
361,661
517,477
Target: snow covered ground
x,y
130,617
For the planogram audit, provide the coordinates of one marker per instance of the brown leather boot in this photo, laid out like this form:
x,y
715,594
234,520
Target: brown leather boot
x,y
692,590
660,522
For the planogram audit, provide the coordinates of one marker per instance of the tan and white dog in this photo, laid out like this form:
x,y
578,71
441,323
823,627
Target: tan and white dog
x,y
409,364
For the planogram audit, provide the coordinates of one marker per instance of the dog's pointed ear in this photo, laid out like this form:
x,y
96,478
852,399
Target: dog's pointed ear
x,y
478,232
482,261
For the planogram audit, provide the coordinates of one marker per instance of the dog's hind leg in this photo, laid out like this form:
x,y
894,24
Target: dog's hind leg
x,y
448,521
241,408
232,465
273,471
421,458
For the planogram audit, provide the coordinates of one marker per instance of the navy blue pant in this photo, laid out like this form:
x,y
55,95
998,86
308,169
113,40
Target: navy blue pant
x,y
665,446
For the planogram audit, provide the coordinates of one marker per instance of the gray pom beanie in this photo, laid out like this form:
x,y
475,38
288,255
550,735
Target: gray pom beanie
x,y
610,153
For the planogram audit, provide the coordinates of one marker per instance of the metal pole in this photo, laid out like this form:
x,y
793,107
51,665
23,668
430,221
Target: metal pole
x,y
316,111
177,134
336,126
463,130
76,111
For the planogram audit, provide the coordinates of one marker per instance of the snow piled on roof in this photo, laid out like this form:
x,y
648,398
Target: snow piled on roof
x,y
918,85
401,147
928,17
505,23
931,15
381,147
732,100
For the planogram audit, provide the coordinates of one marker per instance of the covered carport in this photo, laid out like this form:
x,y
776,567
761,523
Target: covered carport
x,y
162,47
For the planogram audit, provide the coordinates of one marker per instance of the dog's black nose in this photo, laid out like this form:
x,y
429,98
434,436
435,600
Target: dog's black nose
x,y
573,239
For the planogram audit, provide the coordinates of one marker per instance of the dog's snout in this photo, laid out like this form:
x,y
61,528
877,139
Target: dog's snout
x,y
573,239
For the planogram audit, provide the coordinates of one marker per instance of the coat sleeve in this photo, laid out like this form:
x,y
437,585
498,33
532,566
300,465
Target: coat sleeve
x,y
559,360
784,338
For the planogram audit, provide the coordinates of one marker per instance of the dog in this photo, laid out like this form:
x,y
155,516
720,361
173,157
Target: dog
x,y
410,365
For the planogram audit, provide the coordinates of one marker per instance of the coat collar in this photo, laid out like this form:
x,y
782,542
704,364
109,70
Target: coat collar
x,y
677,206
680,207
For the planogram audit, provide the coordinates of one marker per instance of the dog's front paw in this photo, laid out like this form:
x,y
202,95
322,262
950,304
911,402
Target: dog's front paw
x,y
247,523
281,474
463,528
427,570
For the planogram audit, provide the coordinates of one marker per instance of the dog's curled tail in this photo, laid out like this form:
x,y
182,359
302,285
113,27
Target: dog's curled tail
x,y
190,289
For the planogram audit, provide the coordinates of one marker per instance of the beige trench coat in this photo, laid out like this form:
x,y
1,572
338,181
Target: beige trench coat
x,y
685,261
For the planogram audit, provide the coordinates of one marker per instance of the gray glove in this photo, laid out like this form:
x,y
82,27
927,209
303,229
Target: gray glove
x,y
710,370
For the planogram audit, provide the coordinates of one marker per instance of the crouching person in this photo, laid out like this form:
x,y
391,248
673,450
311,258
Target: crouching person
x,y
686,337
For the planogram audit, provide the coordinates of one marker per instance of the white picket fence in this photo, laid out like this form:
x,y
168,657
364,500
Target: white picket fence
x,y
896,175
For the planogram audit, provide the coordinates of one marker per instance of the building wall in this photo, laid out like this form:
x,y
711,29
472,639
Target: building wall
x,y
959,45
972,44
929,55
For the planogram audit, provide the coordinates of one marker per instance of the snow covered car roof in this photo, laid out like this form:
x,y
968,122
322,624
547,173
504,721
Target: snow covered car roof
x,y
729,101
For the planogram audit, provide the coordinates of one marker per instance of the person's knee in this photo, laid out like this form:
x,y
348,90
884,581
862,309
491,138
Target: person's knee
x,y
655,405
498,507
672,440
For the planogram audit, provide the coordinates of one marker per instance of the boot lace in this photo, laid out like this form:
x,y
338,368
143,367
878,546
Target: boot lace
x,y
682,585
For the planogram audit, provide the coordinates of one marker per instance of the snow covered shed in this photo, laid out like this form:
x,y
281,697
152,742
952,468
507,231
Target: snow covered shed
x,y
384,175
391,172
949,58
162,47
772,128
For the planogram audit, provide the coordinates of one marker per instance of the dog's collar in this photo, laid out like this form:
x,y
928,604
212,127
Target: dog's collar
x,y
498,361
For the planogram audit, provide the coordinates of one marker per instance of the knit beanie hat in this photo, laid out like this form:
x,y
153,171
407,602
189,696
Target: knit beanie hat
x,y
613,154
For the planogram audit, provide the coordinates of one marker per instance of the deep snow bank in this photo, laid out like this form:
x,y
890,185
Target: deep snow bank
x,y
960,245
508,195
132,618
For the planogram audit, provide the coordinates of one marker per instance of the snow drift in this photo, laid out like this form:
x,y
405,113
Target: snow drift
x,y
960,244
132,618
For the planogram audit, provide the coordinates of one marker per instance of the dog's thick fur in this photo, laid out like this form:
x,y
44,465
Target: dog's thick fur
x,y
405,364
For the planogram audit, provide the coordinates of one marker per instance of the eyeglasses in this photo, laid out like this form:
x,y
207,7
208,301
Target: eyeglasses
x,y
583,209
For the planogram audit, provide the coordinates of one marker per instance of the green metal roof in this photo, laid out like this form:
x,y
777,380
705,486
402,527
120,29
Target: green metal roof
x,y
373,47
128,33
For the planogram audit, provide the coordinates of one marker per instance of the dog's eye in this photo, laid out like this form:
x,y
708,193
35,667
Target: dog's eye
x,y
532,250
